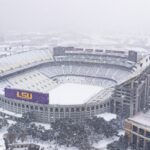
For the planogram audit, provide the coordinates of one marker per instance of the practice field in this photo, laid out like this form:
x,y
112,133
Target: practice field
x,y
70,93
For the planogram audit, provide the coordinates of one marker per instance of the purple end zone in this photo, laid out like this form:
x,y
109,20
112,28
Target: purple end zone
x,y
30,96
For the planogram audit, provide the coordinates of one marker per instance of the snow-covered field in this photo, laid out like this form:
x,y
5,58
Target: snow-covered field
x,y
70,93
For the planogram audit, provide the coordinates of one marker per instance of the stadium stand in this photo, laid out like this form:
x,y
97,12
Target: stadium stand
x,y
101,71
24,59
30,80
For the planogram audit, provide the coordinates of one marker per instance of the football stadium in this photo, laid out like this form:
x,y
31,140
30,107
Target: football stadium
x,y
77,83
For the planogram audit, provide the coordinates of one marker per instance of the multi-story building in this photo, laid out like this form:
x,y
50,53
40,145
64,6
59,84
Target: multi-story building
x,y
137,129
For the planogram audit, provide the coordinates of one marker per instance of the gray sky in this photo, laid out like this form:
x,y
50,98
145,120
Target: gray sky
x,y
84,16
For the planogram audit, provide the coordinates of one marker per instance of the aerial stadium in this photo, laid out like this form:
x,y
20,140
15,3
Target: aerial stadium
x,y
76,83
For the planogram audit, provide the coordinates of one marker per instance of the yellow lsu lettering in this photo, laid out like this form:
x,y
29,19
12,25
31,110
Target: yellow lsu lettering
x,y
24,95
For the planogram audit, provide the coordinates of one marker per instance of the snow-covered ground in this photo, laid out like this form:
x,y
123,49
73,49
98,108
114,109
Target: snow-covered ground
x,y
45,125
53,146
102,144
2,132
107,116
10,113
70,93
46,145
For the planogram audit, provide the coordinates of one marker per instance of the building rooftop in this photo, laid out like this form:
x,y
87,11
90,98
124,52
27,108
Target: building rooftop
x,y
141,119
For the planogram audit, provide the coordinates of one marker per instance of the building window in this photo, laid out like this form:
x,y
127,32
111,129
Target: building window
x,y
141,142
141,131
83,109
97,107
134,137
41,108
56,109
147,134
147,145
135,128
77,109
67,109
61,110
31,107
88,108
72,109
22,105
51,109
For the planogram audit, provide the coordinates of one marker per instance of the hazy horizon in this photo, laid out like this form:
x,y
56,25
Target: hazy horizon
x,y
81,16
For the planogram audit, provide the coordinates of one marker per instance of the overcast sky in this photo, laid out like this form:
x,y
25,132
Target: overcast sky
x,y
84,16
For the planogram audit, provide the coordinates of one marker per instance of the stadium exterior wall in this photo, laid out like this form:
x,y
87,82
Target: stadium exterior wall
x,y
132,96
50,113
